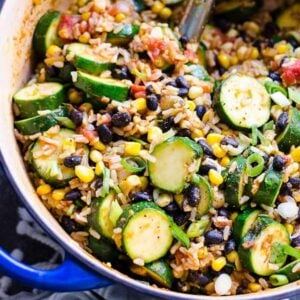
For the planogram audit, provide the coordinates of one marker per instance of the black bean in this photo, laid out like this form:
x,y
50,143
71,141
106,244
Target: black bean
x,y
152,102
223,24
182,218
295,182
291,40
228,269
270,29
184,132
140,196
121,119
286,189
239,290
171,208
181,286
282,122
182,82
72,161
52,72
69,225
213,237
296,241
206,148
65,72
275,76
228,140
198,278
182,92
193,195
149,89
184,40
172,83
76,116
200,111
167,124
223,212
229,246
121,72
257,43
204,169
104,133
279,162
73,195
98,182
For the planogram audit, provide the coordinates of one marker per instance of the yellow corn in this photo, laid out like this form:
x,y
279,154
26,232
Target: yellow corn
x,y
140,104
99,168
232,256
289,228
43,189
132,148
58,195
214,177
84,38
153,134
165,13
233,216
95,156
295,153
84,173
282,48
195,92
297,196
191,105
74,96
234,60
224,60
157,7
120,17
214,138
133,180
144,182
207,116
254,287
254,53
197,133
218,151
225,161
218,264
85,16
179,198
99,146
53,50
202,252
81,3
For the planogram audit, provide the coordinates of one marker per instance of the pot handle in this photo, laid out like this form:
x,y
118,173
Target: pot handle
x,y
70,276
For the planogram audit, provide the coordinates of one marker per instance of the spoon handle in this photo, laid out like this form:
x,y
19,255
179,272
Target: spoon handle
x,y
195,17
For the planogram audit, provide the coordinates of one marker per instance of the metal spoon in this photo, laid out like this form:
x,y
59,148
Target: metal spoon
x,y
195,17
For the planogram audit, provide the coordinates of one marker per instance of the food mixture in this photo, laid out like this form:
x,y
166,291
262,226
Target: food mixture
x,y
174,161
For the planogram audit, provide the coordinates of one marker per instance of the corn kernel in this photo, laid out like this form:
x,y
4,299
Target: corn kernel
x,y
53,50
132,148
254,53
207,116
214,177
197,133
157,7
233,216
99,168
282,48
153,134
214,138
195,92
224,60
225,161
234,60
99,146
218,151
133,180
191,105
232,256
74,96
144,182
218,264
85,16
81,3
254,287
86,106
295,153
179,198
202,252
37,2
296,196
120,17
58,195
95,156
165,13
85,174
140,104
289,228
43,189
84,38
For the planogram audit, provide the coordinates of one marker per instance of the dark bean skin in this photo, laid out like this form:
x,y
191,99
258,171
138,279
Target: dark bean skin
x,y
296,241
239,290
223,212
228,269
167,124
198,278
121,119
152,102
182,218
293,42
228,140
182,92
229,246
270,29
73,195
282,122
206,148
213,237
171,208
275,76
279,162
204,169
69,225
121,73
149,89
223,24
104,133
98,182
76,116
184,132
286,189
182,82
200,111
172,83
193,195
72,161
140,196
295,182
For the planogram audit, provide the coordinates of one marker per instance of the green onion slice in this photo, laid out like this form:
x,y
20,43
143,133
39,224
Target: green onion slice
x,y
272,87
133,164
254,136
278,279
268,126
262,138
258,168
105,186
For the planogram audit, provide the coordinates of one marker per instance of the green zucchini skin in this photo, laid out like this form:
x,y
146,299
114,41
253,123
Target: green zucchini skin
x,y
124,36
269,188
139,5
160,272
206,197
264,235
111,88
291,134
287,271
234,182
103,249
45,33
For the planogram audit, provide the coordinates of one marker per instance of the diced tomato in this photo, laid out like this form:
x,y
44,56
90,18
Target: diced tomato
x,y
88,134
291,72
190,55
155,47
124,7
65,26
138,91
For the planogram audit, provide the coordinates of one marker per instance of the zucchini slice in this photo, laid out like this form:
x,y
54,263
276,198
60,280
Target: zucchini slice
x,y
159,271
41,123
244,223
235,182
258,251
45,33
139,5
289,19
242,102
96,86
291,135
147,235
288,271
269,188
124,36
84,58
38,97
51,167
170,171
103,249
199,72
